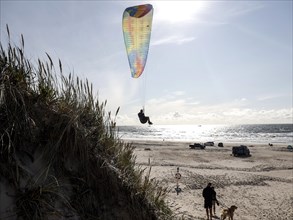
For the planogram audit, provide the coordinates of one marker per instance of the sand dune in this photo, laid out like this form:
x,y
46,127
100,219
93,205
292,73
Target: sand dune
x,y
261,185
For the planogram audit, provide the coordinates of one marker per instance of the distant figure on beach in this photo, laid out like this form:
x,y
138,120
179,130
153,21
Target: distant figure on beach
x,y
214,200
144,119
208,193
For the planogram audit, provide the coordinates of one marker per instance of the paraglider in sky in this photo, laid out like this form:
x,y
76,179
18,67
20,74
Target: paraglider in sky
x,y
137,25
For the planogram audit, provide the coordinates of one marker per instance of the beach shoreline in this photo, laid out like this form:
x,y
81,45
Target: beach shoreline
x,y
226,142
260,185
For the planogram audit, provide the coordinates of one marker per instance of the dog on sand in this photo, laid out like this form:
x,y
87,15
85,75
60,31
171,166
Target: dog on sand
x,y
229,212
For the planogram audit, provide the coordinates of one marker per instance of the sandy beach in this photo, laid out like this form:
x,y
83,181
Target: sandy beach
x,y
261,186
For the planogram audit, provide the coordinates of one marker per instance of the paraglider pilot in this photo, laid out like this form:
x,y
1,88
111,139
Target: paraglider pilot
x,y
144,119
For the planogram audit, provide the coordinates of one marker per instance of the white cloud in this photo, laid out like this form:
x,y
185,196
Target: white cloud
x,y
270,97
179,93
243,8
185,40
185,110
173,40
176,108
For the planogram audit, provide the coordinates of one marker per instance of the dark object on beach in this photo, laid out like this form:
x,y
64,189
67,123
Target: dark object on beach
x,y
290,148
178,190
197,146
178,177
209,143
241,151
220,144
147,148
270,144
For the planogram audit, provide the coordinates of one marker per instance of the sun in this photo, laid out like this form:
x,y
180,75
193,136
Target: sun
x,y
178,11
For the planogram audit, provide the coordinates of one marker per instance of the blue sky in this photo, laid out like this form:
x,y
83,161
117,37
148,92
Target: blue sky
x,y
210,62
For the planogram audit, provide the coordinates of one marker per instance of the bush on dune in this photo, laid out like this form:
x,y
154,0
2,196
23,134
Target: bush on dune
x,y
60,154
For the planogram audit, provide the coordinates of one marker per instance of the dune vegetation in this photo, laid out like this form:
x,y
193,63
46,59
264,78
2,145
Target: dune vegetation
x,y
60,152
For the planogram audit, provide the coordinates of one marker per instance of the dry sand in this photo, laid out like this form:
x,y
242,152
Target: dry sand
x,y
261,186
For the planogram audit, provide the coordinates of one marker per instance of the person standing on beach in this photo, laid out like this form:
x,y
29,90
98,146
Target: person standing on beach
x,y
207,193
214,200
144,119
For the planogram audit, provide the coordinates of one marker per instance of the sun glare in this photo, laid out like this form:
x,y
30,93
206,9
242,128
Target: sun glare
x,y
178,11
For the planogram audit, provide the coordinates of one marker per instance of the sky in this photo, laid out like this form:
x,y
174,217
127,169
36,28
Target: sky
x,y
209,62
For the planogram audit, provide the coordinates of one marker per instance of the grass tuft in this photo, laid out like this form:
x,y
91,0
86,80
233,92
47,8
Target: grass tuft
x,y
60,152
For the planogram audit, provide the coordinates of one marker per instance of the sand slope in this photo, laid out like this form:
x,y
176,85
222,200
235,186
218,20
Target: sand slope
x,y
261,185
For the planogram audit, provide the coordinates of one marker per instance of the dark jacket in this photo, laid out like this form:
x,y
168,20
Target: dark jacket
x,y
214,195
208,193
143,119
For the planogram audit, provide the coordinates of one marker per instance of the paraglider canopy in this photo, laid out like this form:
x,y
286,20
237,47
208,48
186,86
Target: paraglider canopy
x,y
137,25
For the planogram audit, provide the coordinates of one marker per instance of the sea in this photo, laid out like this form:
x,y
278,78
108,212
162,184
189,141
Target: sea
x,y
244,133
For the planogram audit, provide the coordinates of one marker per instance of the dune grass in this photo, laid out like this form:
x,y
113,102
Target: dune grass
x,y
60,152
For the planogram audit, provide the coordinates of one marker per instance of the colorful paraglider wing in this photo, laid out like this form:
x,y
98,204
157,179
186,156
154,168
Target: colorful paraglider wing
x,y
137,25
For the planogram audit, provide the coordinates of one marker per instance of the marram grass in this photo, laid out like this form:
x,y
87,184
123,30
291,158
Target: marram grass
x,y
60,154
